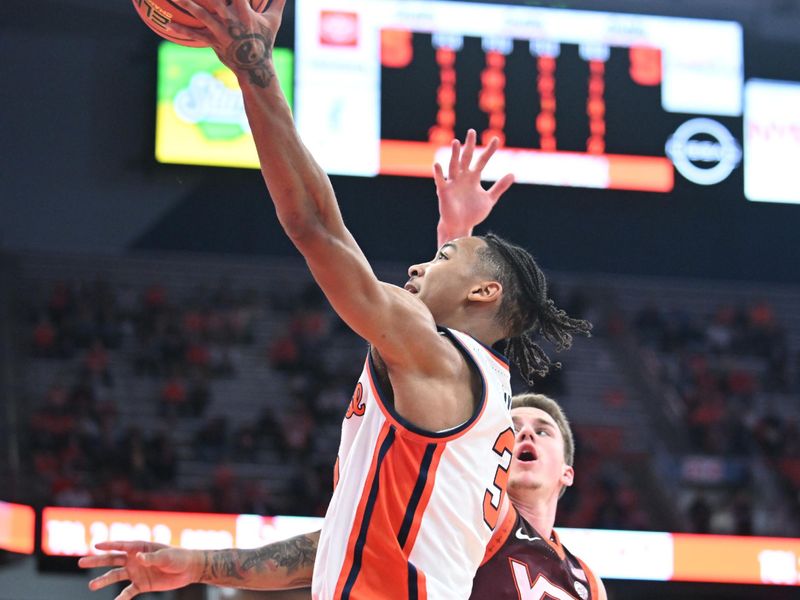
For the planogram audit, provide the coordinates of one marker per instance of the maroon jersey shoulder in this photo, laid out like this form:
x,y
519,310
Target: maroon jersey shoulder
x,y
528,567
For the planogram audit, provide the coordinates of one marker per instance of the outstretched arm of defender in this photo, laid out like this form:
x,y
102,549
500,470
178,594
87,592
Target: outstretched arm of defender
x,y
399,326
463,203
155,567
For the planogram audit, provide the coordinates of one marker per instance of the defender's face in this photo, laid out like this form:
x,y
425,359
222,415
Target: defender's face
x,y
444,282
537,465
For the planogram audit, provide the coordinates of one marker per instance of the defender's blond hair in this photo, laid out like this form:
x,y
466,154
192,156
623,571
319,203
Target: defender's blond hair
x,y
552,408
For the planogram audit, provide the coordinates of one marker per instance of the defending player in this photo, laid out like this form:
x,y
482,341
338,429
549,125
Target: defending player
x,y
420,470
525,560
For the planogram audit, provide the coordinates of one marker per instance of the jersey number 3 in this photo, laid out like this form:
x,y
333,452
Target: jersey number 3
x,y
491,512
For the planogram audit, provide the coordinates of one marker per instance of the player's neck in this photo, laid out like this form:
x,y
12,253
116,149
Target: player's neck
x,y
539,512
483,330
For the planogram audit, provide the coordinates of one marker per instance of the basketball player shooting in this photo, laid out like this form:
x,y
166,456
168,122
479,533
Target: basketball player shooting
x,y
524,560
421,472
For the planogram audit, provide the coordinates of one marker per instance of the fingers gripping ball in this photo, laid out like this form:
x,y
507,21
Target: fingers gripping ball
x,y
157,14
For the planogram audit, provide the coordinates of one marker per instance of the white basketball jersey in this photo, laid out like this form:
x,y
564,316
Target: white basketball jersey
x,y
412,511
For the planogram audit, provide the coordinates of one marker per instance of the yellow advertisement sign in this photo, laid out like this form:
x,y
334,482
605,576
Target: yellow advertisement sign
x,y
200,118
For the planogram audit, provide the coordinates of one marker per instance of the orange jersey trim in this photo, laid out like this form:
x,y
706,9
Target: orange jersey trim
x,y
358,521
500,361
409,430
425,497
591,579
555,544
396,494
498,358
500,534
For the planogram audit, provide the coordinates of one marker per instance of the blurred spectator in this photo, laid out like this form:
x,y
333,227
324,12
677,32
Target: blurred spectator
x,y
174,397
44,338
96,363
199,393
162,459
245,445
211,441
187,345
721,378
699,515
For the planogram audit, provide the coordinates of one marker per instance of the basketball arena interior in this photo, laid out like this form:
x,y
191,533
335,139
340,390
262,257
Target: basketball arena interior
x,y
170,371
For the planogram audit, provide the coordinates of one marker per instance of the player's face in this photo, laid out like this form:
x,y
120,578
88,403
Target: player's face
x,y
444,283
537,466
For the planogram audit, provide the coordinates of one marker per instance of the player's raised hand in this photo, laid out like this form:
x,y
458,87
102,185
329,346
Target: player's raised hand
x,y
242,37
149,567
463,202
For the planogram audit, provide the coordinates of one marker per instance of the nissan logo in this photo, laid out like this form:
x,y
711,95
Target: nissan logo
x,y
700,142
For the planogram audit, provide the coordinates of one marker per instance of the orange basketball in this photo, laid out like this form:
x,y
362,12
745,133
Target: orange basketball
x,y
158,13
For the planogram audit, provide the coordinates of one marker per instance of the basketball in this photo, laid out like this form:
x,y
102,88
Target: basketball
x,y
157,14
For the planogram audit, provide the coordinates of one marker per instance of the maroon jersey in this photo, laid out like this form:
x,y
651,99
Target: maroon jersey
x,y
521,565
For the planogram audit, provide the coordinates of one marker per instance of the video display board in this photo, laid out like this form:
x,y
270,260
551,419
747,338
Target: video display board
x,y
772,141
200,118
577,98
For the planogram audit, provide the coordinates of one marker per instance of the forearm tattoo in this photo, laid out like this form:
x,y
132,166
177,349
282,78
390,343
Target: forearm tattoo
x,y
236,566
250,51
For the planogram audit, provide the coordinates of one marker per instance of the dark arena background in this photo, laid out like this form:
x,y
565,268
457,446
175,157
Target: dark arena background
x,y
169,371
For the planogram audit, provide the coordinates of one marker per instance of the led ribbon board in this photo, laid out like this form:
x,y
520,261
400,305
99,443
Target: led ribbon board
x,y
641,555
17,524
75,531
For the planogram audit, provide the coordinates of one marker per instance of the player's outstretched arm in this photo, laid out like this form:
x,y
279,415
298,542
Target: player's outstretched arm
x,y
463,203
153,567
399,326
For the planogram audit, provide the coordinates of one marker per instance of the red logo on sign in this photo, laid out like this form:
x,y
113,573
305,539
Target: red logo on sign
x,y
337,28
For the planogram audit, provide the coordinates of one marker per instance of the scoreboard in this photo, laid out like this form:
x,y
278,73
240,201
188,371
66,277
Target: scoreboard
x,y
577,98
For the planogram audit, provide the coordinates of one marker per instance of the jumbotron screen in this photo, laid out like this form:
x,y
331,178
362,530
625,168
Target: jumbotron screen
x,y
577,98
200,118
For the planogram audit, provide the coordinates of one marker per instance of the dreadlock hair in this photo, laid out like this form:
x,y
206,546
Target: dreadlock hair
x,y
525,309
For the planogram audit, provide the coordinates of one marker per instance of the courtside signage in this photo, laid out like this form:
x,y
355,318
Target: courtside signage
x,y
658,556
75,531
642,555
17,523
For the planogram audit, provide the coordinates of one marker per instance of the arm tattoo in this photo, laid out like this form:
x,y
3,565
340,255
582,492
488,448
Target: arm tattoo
x,y
220,566
279,561
292,555
250,51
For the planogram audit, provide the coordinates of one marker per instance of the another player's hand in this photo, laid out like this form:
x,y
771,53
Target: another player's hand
x,y
149,567
463,203
241,37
